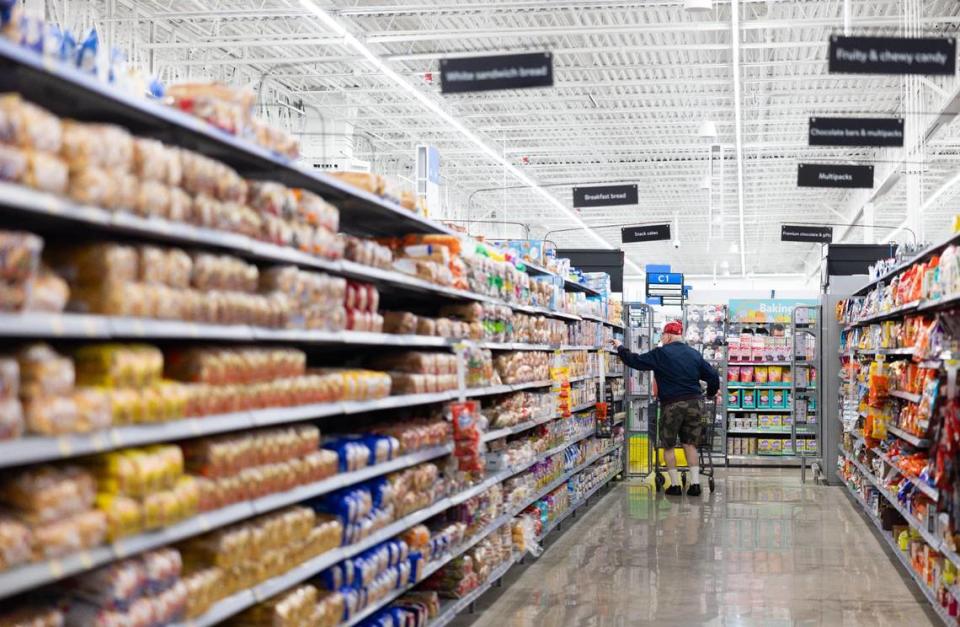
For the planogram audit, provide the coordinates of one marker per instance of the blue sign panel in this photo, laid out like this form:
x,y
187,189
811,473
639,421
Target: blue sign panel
x,y
664,278
652,267
654,300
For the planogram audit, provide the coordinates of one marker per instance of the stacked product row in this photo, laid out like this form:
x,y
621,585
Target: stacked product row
x,y
288,524
900,416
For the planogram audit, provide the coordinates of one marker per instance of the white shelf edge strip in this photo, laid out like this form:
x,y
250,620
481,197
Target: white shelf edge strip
x,y
246,598
35,449
28,576
904,562
453,608
29,200
928,537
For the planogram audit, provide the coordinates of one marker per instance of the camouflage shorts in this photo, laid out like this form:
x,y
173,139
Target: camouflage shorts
x,y
684,419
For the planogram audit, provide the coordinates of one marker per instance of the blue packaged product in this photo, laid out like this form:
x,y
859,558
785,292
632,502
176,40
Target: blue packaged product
x,y
68,47
31,33
156,89
6,11
88,52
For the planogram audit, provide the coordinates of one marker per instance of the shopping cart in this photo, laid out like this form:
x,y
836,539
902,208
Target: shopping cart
x,y
704,450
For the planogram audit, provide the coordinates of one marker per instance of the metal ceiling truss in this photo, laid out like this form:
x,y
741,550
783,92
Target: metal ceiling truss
x,y
634,81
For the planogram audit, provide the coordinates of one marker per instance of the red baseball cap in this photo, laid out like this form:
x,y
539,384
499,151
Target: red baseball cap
x,y
674,327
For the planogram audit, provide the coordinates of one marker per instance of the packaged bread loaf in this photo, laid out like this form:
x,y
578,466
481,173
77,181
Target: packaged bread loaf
x,y
44,372
46,173
28,126
13,164
48,493
96,146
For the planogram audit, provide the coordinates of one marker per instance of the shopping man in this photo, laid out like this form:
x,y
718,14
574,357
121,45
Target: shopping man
x,y
678,370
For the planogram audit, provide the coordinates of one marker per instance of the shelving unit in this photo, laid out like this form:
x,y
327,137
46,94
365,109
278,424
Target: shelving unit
x,y
697,321
870,462
68,92
765,430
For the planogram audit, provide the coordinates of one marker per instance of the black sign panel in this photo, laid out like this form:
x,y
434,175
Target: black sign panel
x,y
856,131
806,233
508,71
834,175
606,196
648,233
597,260
893,55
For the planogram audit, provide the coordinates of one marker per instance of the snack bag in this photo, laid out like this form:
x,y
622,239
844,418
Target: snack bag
x,y
760,374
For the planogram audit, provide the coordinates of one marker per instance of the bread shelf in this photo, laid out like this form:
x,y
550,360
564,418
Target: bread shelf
x,y
19,579
246,598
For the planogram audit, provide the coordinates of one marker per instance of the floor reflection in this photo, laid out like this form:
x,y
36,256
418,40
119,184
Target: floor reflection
x,y
763,549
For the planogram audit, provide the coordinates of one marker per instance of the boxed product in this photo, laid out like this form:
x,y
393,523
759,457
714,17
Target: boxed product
x,y
733,399
748,399
778,398
765,446
763,398
786,447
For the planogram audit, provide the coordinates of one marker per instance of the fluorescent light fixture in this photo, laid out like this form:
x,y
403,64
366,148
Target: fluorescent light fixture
x,y
358,46
708,129
698,5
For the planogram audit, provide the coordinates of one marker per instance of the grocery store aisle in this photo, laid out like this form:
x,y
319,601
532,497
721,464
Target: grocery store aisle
x,y
766,550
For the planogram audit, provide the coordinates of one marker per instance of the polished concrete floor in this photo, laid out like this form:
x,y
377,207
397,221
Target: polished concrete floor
x,y
764,550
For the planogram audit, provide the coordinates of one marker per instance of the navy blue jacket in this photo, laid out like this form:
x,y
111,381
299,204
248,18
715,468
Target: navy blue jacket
x,y
678,369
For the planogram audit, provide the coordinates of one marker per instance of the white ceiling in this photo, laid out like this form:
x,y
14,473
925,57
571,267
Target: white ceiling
x,y
633,83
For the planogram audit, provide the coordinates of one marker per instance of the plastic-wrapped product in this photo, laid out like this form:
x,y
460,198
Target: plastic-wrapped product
x,y
15,543
46,173
153,199
51,415
373,183
28,126
13,164
44,372
70,534
32,616
19,255
46,493
96,146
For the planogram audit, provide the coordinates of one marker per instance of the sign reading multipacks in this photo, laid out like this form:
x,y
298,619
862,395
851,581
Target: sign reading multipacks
x,y
834,175
508,71
856,131
646,233
806,233
893,55
606,196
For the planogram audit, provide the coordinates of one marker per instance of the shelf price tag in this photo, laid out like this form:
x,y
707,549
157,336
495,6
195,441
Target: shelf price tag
x,y
65,446
56,568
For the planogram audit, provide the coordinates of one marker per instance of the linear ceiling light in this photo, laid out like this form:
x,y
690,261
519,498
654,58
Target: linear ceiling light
x,y
350,40
738,119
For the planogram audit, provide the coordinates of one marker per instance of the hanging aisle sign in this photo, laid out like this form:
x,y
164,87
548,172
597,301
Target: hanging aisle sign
x,y
856,132
606,196
507,71
645,233
893,55
806,233
834,175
